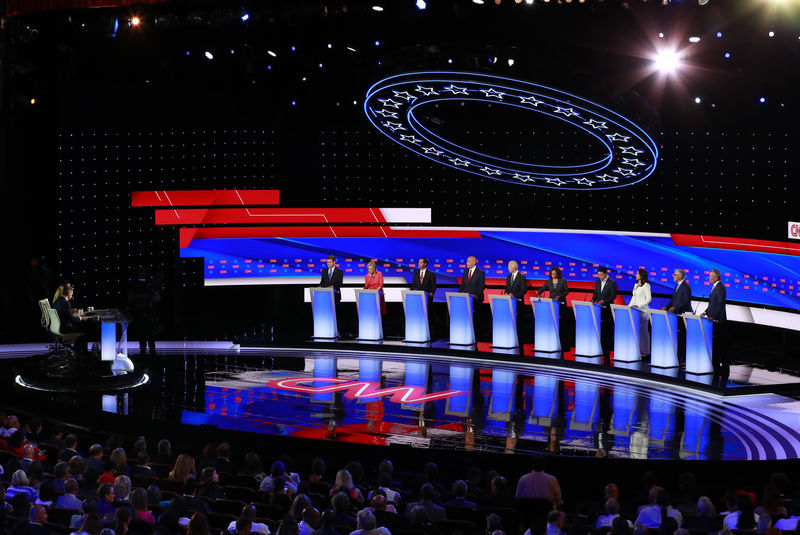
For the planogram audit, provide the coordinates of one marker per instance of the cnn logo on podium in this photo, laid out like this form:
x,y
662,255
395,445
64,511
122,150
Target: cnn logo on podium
x,y
794,230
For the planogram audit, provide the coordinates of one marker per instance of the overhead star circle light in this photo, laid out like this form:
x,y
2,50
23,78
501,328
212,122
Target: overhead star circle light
x,y
631,155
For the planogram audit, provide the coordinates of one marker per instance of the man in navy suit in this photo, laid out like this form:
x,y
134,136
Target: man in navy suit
x,y
605,292
716,313
682,296
332,277
473,282
681,302
425,280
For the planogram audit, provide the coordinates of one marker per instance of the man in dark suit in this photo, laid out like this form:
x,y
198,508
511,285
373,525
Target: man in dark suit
x,y
473,282
517,287
69,451
680,302
333,277
425,280
605,292
716,313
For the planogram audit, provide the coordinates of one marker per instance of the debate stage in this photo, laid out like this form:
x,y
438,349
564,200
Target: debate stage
x,y
442,398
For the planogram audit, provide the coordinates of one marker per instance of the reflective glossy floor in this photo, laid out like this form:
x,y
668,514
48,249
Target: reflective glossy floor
x,y
463,401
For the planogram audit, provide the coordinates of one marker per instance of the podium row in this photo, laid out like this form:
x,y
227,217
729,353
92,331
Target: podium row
x,y
663,339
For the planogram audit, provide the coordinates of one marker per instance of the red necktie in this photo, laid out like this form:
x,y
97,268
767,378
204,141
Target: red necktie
x,y
469,277
420,277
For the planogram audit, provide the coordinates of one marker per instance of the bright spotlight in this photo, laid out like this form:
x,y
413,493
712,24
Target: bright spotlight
x,y
697,100
667,61
421,4
529,2
762,100
271,53
479,2
377,8
510,62
694,39
245,17
771,33
135,21
209,55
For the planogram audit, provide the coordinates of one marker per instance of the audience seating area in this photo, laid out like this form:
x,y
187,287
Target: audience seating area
x,y
209,488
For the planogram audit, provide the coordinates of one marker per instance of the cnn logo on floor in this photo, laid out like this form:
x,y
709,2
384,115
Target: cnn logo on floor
x,y
794,230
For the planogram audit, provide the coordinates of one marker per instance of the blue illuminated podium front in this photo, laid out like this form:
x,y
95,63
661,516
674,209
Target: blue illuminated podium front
x,y
587,329
459,305
370,324
504,321
626,333
547,313
415,306
699,344
323,306
663,339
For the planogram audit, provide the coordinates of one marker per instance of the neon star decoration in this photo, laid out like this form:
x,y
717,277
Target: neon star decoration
x,y
630,153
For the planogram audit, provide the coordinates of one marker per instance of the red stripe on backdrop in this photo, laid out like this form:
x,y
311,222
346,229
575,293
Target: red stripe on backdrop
x,y
316,232
741,244
221,216
168,198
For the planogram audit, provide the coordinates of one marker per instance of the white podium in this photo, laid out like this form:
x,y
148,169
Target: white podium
x,y
504,321
587,329
664,339
546,339
459,306
699,344
626,333
323,307
370,323
415,306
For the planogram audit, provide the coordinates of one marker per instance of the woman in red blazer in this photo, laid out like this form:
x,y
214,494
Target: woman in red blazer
x,y
373,280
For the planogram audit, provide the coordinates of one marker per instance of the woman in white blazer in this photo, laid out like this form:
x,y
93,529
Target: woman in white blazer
x,y
641,300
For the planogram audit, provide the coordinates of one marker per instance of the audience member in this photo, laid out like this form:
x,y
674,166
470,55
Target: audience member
x,y
105,498
122,488
310,521
744,517
341,508
70,448
327,523
791,523
344,483
183,470
556,520
20,485
94,458
68,500
460,500
209,486
659,509
140,506
427,496
539,484
198,525
223,462
164,455
47,494
612,512
367,525
278,470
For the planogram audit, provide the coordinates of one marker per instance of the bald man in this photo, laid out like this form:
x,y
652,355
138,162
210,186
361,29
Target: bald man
x,y
473,282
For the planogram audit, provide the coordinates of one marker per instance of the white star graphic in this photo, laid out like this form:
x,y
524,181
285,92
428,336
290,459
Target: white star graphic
x,y
426,91
385,114
410,139
492,93
490,171
633,162
389,103
432,150
608,178
624,172
567,112
617,137
584,181
405,95
459,161
596,124
523,178
533,101
456,90
556,181
630,150
394,127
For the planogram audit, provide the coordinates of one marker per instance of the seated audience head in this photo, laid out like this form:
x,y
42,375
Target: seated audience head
x,y
378,502
164,447
318,467
460,488
61,470
311,517
243,525
47,491
366,520
70,486
209,473
340,502
122,488
142,458
183,468
38,514
198,525
344,481
427,492
557,518
431,471
611,491
140,445
252,464
288,526
494,522
153,495
96,451
106,492
385,480
356,471
277,469
499,485
538,463
612,506
224,450
300,503
19,479
91,525
249,511
705,507
386,467
77,466
120,459
139,500
71,441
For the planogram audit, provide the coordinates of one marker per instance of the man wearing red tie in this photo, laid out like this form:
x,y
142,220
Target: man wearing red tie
x,y
425,280
473,282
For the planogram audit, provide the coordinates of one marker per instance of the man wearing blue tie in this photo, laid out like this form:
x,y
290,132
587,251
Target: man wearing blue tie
x,y
716,313
681,302
333,277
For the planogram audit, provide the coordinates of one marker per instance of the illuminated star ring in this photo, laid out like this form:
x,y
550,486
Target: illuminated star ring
x,y
631,154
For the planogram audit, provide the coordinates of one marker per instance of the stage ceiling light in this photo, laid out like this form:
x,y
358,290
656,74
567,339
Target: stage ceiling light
x,y
135,21
667,61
